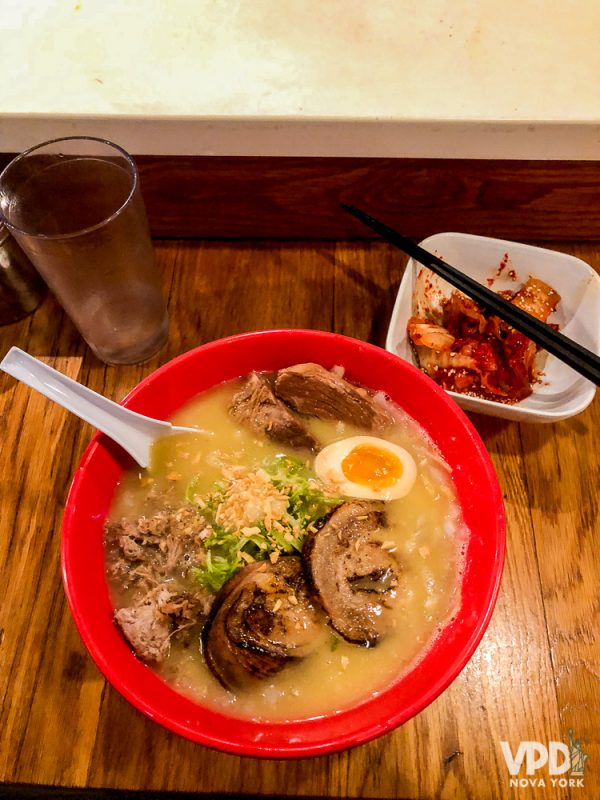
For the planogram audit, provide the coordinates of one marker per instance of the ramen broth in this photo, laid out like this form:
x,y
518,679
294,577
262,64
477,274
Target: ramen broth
x,y
426,528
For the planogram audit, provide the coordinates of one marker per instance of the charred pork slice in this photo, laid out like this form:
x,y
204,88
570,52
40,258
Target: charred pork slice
x,y
311,389
261,620
274,613
354,578
256,407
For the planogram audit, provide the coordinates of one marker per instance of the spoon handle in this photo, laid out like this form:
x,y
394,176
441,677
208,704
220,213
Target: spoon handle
x,y
134,432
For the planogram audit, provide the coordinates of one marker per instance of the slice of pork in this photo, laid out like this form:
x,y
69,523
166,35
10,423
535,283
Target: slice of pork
x,y
351,574
149,624
274,612
147,628
256,407
311,389
254,629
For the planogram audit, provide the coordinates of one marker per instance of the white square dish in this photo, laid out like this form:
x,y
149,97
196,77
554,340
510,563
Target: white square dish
x,y
561,393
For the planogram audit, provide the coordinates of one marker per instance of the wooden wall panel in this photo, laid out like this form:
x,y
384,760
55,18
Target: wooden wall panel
x,y
298,198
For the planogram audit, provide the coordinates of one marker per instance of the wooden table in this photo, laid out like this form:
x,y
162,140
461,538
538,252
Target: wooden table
x,y
534,676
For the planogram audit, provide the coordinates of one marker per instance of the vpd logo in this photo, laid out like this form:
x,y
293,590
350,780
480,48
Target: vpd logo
x,y
559,759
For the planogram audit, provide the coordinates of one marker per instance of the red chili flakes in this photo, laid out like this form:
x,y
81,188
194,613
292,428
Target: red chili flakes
x,y
502,265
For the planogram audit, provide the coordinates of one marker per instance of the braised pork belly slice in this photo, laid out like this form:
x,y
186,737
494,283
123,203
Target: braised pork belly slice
x,y
352,574
312,390
256,407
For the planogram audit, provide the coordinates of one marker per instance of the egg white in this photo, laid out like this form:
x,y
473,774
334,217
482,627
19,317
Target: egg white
x,y
328,467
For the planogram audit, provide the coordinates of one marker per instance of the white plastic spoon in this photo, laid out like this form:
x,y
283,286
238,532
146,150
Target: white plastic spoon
x,y
134,432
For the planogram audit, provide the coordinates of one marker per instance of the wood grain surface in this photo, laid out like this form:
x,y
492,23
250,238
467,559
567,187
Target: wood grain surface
x,y
298,198
534,676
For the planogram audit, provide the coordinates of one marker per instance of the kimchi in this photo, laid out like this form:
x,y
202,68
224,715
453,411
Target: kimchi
x,y
477,353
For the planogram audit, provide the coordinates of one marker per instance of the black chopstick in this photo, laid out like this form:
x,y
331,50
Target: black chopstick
x,y
575,355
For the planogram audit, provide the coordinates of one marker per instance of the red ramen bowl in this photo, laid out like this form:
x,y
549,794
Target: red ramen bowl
x,y
162,394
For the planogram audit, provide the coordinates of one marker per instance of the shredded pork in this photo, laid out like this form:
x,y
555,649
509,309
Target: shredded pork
x,y
152,558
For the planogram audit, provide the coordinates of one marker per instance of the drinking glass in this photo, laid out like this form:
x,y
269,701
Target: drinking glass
x,y
74,206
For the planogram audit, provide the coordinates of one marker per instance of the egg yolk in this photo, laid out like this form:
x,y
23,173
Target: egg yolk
x,y
372,466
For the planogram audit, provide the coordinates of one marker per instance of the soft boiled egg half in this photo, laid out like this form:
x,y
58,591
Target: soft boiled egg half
x,y
367,467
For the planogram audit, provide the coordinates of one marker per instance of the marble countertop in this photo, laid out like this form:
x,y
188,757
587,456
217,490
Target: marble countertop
x,y
466,78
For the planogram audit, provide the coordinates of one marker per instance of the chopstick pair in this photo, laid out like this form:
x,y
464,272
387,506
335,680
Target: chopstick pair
x,y
579,358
